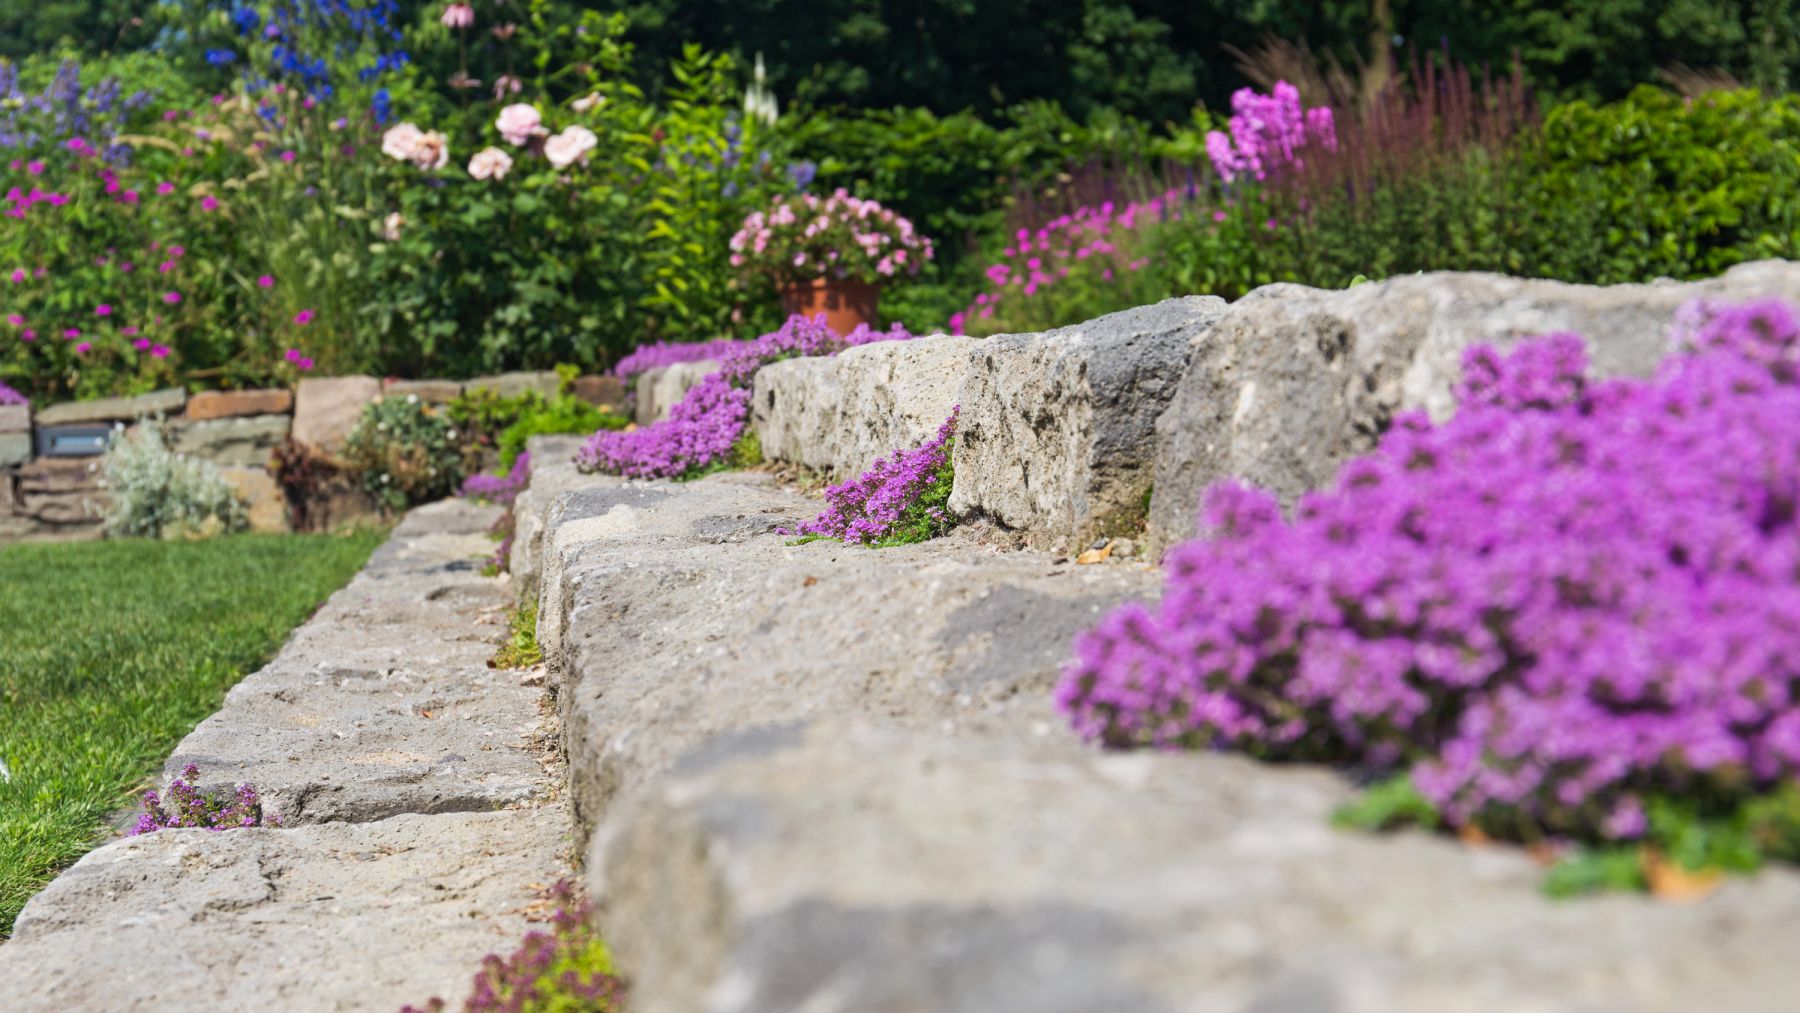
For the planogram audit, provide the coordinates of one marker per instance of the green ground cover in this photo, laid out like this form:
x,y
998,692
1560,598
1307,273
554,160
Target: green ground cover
x,y
111,651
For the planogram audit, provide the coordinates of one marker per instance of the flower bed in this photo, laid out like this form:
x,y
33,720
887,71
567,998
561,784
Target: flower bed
x,y
1570,602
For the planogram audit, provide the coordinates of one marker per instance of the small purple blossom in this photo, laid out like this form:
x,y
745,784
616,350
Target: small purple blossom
x,y
185,805
891,493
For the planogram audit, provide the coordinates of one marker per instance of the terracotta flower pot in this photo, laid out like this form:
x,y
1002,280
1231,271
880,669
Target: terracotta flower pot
x,y
844,302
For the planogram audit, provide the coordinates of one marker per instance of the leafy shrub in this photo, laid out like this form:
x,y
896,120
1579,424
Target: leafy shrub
x,y
704,428
565,414
1569,601
840,236
565,970
406,452
186,805
900,500
153,492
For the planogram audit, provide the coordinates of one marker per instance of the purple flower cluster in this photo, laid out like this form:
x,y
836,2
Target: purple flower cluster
x,y
1570,597
500,489
567,968
667,353
187,806
1267,132
8,396
892,495
702,428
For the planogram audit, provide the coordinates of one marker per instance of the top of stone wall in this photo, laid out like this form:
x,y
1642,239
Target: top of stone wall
x,y
114,409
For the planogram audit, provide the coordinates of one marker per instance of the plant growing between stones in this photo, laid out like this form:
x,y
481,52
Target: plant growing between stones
x,y
154,492
1570,611
564,970
185,806
521,649
406,452
900,500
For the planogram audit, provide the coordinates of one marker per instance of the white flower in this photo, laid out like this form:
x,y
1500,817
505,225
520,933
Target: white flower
x,y
588,104
574,142
400,140
432,151
518,123
391,225
490,163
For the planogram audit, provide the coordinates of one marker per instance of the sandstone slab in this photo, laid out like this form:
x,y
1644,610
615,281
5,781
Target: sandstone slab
x,y
839,414
265,505
334,917
602,391
15,418
235,442
544,383
327,408
434,391
1292,381
114,409
219,404
1058,430
61,491
661,388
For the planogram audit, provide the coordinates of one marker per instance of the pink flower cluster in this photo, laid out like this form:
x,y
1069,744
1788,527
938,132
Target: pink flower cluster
x,y
702,428
187,806
839,236
1267,133
8,396
1571,597
500,489
669,353
894,493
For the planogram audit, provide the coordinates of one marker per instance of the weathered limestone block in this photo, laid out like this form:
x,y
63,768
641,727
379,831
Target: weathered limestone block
x,y
15,448
61,491
552,473
1057,436
1291,381
434,391
334,917
544,383
219,404
327,408
839,414
660,389
264,503
240,442
114,409
602,391
15,418
834,867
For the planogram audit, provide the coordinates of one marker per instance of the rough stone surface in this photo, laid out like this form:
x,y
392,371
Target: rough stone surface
x,y
219,404
61,491
334,917
434,391
15,418
114,409
242,442
264,503
552,474
326,409
1291,381
839,414
543,382
602,391
659,389
1057,436
15,448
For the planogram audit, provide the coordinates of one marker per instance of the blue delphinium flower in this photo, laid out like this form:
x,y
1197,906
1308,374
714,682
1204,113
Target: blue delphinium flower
x,y
220,57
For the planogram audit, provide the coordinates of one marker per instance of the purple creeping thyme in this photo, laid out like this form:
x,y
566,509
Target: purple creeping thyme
x,y
702,428
8,396
1572,596
186,806
665,353
899,497
567,968
500,489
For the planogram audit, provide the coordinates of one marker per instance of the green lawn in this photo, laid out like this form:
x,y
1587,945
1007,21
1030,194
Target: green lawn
x,y
110,652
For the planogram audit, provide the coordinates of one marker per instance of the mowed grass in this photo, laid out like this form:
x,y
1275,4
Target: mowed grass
x,y
111,651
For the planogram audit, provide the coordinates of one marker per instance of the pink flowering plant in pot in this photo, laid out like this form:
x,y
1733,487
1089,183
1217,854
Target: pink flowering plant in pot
x,y
809,244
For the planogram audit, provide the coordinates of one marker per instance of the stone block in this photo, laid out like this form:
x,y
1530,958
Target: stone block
x,y
327,408
114,409
552,474
1057,437
1292,381
220,404
434,391
15,418
544,383
61,491
15,448
603,391
661,388
240,442
839,414
264,502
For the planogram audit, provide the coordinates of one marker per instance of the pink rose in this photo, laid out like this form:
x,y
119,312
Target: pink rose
x,y
574,142
400,140
519,123
458,16
490,163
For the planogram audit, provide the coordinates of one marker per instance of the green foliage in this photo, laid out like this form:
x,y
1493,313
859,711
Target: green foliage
x,y
536,417
1386,805
153,492
521,648
114,650
1596,870
406,452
